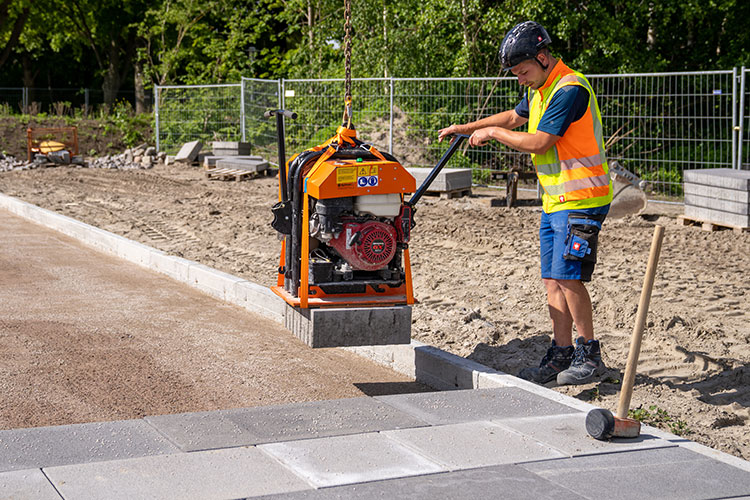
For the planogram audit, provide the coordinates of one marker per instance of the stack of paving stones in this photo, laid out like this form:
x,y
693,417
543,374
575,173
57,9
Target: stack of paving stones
x,y
233,158
718,196
228,148
449,183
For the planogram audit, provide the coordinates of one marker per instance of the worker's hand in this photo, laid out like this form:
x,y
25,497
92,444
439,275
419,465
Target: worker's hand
x,y
448,131
481,136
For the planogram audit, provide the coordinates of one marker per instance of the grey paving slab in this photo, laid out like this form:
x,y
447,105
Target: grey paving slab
x,y
663,473
452,407
216,474
26,484
717,192
249,165
352,459
718,216
189,151
230,147
734,207
719,177
79,443
210,160
449,179
567,433
507,482
218,429
473,444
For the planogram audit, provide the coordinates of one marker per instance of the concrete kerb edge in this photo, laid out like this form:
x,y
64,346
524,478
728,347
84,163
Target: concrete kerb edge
x,y
427,364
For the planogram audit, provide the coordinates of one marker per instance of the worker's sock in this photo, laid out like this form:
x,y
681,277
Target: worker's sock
x,y
586,365
554,361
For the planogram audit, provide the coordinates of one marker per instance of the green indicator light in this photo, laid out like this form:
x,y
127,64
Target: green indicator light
x,y
359,159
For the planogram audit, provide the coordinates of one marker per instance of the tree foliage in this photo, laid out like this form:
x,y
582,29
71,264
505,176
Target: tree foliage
x,y
115,45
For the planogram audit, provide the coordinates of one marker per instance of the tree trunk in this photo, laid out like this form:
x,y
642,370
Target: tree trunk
x,y
29,74
140,93
14,35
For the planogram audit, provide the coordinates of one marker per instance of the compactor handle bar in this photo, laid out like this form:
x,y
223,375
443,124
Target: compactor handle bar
x,y
277,112
280,114
458,139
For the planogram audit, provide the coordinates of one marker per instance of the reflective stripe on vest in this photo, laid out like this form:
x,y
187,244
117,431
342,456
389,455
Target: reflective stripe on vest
x,y
574,172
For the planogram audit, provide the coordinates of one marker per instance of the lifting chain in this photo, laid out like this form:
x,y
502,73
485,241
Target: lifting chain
x,y
347,63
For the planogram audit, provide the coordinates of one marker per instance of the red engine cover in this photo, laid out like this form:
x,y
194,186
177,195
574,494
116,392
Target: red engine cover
x,y
372,245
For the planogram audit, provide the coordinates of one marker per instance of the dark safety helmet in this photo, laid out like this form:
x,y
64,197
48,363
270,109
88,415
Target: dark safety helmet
x,y
523,42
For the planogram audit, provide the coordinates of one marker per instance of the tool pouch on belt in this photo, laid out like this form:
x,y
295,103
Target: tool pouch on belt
x,y
582,237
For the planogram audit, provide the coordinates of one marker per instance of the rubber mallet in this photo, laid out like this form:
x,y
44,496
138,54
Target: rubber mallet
x,y
600,423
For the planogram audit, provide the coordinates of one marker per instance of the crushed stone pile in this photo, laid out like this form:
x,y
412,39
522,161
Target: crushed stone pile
x,y
8,163
139,157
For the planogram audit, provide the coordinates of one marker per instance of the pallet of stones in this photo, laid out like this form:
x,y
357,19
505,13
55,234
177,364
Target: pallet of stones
x,y
716,198
237,169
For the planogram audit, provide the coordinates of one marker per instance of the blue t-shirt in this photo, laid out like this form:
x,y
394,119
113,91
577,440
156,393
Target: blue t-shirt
x,y
567,105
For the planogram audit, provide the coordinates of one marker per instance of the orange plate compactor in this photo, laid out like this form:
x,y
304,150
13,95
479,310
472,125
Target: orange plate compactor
x,y
345,223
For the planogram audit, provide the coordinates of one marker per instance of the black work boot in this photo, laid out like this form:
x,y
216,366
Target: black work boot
x,y
555,361
587,364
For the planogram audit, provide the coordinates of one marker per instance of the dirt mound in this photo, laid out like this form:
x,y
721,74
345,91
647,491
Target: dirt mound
x,y
476,274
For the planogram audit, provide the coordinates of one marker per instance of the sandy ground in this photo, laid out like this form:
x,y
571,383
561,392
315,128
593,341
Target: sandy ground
x,y
86,337
477,277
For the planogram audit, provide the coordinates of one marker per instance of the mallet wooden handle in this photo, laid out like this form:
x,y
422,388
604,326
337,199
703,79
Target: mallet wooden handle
x,y
640,321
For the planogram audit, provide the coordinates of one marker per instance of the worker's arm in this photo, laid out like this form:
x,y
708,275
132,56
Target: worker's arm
x,y
537,143
507,119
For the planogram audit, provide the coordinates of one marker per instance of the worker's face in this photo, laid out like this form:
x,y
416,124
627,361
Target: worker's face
x,y
530,73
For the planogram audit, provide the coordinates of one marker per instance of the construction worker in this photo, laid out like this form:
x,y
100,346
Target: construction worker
x,y
565,140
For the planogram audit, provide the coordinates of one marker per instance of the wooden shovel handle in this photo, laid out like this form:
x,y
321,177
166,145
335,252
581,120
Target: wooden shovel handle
x,y
640,321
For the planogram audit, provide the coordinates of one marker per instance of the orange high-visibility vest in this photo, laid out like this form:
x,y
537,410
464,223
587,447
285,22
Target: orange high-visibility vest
x,y
574,172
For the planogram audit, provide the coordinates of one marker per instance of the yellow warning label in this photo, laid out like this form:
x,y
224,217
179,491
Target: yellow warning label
x,y
363,171
373,170
346,175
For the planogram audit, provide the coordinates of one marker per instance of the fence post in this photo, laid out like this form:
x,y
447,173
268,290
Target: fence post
x,y
390,132
156,115
735,128
242,107
25,100
86,102
741,126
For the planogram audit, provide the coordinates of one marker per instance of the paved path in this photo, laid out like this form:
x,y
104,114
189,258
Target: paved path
x,y
505,442
469,444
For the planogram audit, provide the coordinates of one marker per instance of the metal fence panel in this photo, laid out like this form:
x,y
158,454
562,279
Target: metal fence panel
x,y
197,112
422,106
656,124
258,96
13,99
319,105
660,124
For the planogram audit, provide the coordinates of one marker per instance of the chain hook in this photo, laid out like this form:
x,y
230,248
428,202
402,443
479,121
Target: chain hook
x,y
347,64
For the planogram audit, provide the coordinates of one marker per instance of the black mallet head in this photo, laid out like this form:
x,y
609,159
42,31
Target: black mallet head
x,y
602,425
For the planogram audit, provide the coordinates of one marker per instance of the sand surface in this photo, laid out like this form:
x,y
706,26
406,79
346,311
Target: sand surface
x,y
477,277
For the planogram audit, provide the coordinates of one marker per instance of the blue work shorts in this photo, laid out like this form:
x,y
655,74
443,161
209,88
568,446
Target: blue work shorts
x,y
553,238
